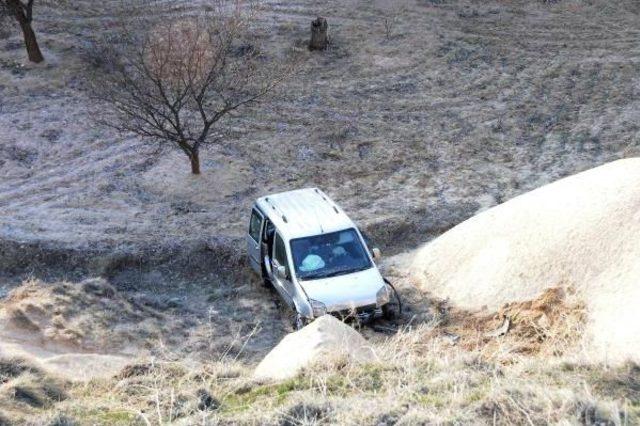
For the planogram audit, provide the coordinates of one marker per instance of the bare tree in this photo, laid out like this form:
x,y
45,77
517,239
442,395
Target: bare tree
x,y
173,81
22,11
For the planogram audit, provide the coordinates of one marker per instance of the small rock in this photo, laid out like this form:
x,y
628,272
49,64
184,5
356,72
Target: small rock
x,y
206,401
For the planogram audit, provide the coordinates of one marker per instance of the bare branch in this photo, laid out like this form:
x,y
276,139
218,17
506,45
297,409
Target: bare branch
x,y
174,80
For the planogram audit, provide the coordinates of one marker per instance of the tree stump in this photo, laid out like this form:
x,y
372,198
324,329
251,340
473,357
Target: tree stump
x,y
319,39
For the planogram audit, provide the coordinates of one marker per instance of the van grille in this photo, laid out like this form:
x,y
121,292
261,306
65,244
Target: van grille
x,y
361,312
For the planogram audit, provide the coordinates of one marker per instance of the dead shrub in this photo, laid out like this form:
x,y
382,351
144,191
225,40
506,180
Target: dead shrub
x,y
548,325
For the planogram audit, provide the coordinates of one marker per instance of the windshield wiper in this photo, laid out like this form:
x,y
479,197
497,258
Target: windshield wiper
x,y
327,275
312,277
364,268
344,272
335,273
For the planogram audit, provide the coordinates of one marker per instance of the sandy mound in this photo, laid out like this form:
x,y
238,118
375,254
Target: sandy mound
x,y
325,338
581,232
78,331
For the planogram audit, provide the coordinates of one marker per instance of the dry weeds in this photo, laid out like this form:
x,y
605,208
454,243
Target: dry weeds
x,y
418,377
465,106
91,315
548,326
25,390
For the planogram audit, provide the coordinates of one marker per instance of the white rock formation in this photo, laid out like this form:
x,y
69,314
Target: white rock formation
x,y
582,231
322,340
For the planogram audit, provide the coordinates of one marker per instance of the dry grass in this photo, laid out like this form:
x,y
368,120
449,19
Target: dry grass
x,y
548,326
25,390
529,376
170,320
91,315
465,106
417,379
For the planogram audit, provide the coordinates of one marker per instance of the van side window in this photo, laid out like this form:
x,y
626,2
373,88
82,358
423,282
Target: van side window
x,y
255,225
279,252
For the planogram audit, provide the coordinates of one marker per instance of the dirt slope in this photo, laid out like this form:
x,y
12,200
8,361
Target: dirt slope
x,y
580,233
77,331
465,105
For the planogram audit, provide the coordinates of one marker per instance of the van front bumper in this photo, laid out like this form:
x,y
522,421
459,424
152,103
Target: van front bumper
x,y
362,313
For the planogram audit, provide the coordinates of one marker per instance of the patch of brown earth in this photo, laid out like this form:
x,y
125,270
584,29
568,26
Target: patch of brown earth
x,y
548,325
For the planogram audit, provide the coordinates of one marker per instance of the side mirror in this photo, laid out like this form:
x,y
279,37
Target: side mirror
x,y
281,272
376,253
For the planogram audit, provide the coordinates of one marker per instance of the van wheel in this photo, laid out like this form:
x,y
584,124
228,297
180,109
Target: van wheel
x,y
390,312
299,321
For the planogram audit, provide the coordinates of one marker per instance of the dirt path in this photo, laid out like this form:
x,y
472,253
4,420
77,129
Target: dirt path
x,y
68,363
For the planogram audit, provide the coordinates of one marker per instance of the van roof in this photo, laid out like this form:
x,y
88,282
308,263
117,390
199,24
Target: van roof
x,y
303,213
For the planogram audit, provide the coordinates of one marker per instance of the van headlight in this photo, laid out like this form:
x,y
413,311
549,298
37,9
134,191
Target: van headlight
x,y
319,308
383,296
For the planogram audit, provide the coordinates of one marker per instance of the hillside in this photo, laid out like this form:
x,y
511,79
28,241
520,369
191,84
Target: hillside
x,y
463,107
111,251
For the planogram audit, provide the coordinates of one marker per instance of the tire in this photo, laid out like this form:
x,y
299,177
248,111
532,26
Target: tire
x,y
266,282
390,312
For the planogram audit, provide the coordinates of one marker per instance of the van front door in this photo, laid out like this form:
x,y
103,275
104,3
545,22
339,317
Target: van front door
x,y
282,283
253,240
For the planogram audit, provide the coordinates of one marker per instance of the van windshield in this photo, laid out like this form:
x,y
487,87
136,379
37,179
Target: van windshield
x,y
329,255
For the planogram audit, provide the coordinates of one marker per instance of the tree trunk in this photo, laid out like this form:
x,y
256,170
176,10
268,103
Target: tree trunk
x,y
23,16
31,43
194,157
319,39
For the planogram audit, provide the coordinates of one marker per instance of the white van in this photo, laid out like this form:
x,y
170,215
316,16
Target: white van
x,y
304,245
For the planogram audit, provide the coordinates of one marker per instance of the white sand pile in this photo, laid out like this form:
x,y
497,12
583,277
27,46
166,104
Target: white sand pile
x,y
325,339
581,232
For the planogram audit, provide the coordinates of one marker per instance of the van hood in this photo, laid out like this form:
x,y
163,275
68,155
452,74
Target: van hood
x,y
345,291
